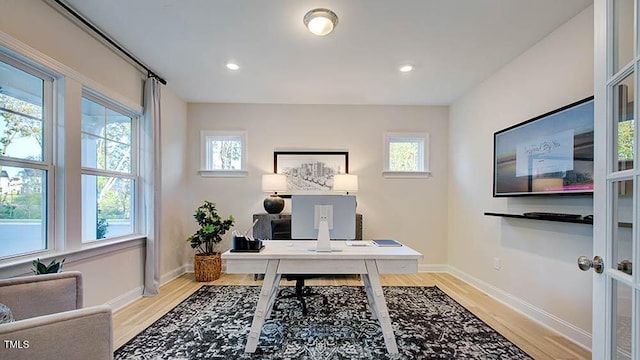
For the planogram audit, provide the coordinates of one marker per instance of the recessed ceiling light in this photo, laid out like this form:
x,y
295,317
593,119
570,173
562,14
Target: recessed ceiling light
x,y
320,21
406,68
232,66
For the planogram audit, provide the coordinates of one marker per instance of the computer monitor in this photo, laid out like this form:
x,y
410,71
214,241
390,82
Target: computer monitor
x,y
323,217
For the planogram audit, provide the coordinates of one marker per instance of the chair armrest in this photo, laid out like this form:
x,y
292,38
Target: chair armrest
x,y
78,334
37,295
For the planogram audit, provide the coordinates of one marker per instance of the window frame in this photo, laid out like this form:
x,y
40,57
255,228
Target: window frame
x,y
206,137
423,170
135,174
46,164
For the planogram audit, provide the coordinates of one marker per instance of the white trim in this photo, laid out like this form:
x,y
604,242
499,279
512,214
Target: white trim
x,y
125,299
570,331
173,274
406,174
433,268
31,54
223,173
23,266
205,152
423,156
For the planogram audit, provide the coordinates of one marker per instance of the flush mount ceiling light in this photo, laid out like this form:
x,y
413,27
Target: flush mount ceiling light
x,y
320,21
406,68
232,66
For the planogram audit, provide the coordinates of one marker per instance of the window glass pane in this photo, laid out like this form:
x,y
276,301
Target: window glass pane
x,y
118,127
93,117
405,156
118,157
622,215
225,154
621,321
93,152
106,138
21,114
22,210
622,33
624,123
107,204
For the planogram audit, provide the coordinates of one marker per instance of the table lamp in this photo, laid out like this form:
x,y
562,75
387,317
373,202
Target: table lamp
x,y
272,183
345,183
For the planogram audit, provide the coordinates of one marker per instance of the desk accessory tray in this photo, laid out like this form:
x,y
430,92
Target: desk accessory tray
x,y
247,251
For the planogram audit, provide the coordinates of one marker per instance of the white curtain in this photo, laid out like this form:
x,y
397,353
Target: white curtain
x,y
151,184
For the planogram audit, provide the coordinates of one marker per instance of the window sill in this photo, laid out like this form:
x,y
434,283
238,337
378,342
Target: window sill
x,y
406,174
22,266
223,173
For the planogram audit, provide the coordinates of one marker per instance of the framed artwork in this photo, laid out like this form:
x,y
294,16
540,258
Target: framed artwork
x,y
310,171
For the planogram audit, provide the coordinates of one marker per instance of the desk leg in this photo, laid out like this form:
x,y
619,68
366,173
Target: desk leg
x,y
274,295
369,291
381,306
268,284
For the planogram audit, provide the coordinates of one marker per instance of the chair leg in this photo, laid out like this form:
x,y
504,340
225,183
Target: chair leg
x,y
300,296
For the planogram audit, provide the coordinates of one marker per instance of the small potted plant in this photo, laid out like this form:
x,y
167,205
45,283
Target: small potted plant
x,y
207,263
40,268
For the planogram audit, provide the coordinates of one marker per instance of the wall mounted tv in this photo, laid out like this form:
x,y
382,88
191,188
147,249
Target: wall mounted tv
x,y
551,154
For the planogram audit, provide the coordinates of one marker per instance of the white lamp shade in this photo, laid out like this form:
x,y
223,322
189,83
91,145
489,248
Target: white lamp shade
x,y
345,182
274,183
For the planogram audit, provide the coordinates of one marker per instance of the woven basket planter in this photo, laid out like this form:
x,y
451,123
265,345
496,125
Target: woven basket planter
x,y
207,267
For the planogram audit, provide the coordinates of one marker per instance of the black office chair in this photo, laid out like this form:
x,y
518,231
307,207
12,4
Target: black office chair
x,y
281,230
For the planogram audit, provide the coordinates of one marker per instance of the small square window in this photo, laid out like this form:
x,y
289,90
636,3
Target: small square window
x,y
406,155
223,153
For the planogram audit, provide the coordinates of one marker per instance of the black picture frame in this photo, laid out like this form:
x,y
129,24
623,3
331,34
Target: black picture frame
x,y
310,172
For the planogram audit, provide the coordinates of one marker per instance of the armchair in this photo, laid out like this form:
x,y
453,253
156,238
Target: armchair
x,y
50,322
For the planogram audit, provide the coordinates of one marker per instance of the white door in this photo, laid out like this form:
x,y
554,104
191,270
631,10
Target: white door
x,y
616,244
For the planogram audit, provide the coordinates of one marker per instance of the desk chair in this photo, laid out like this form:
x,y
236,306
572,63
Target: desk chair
x,y
281,230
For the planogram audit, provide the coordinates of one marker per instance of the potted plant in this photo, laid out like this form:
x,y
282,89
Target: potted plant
x,y
207,263
40,268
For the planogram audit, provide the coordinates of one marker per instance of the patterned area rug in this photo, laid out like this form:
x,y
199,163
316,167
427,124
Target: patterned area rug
x,y
213,323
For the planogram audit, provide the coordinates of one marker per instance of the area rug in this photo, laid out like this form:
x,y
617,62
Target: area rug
x,y
214,322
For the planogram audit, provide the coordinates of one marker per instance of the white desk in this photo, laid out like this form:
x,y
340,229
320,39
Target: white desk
x,y
295,257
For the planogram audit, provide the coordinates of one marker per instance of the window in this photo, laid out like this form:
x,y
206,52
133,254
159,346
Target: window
x,y
25,158
109,170
223,153
406,155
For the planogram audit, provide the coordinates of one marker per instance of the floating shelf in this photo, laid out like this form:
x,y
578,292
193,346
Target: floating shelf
x,y
549,218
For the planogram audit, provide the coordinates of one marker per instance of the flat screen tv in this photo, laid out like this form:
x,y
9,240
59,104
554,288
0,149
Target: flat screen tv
x,y
551,154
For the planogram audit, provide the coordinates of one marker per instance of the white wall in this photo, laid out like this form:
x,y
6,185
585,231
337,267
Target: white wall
x,y
413,211
538,258
38,30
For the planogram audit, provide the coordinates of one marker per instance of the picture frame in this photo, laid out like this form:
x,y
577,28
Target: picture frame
x,y
310,172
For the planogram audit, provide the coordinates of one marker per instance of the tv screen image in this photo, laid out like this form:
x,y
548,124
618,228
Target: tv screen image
x,y
549,154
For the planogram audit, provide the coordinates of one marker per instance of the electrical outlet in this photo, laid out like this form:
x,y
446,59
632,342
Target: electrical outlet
x,y
496,263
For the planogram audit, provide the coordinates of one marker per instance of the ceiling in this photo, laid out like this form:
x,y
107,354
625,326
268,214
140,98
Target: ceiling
x,y
453,46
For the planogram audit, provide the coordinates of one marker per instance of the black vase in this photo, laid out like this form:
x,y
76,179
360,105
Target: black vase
x,y
273,204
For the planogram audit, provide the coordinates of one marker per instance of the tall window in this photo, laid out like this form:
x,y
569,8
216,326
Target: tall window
x,y
406,154
223,153
109,170
25,158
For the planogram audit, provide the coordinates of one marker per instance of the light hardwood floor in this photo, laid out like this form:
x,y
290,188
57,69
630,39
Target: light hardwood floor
x,y
538,341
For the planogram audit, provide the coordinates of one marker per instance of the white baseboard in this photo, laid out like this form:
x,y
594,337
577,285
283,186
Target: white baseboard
x,y
433,268
571,332
174,274
126,298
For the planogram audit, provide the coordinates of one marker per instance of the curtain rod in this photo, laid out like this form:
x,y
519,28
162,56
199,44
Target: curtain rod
x,y
106,38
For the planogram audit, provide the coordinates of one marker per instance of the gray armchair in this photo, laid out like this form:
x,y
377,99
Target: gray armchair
x,y
50,322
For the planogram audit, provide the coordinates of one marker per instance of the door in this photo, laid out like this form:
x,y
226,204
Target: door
x,y
616,286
